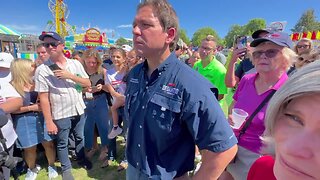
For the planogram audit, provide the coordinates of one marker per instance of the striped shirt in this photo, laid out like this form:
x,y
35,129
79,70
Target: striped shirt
x,y
64,94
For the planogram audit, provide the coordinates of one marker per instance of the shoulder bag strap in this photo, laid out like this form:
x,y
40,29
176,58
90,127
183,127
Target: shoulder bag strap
x,y
248,122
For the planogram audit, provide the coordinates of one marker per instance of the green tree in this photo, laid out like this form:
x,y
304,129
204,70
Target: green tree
x,y
121,41
183,36
253,25
234,31
202,33
307,22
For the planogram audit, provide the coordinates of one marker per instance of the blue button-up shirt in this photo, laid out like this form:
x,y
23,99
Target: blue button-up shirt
x,y
168,114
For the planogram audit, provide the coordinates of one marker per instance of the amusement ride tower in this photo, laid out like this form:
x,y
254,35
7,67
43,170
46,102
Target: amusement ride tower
x,y
60,13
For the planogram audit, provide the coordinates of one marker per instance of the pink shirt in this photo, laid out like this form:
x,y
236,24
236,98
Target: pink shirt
x,y
246,98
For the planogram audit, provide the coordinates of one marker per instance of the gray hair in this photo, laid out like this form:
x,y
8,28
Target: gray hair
x,y
289,54
304,82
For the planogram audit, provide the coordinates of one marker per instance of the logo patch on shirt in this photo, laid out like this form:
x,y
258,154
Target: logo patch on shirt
x,y
162,115
170,89
133,80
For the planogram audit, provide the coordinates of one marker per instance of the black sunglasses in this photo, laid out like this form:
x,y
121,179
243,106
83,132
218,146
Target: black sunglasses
x,y
270,53
53,44
303,46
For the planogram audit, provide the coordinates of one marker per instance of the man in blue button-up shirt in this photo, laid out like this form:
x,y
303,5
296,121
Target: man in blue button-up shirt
x,y
170,107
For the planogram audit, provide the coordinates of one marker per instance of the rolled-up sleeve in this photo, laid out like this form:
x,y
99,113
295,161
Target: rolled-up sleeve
x,y
208,125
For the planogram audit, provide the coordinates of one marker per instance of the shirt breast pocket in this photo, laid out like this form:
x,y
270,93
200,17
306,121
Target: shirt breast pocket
x,y
164,110
130,102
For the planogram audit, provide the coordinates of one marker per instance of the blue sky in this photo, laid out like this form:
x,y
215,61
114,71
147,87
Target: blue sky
x,y
31,16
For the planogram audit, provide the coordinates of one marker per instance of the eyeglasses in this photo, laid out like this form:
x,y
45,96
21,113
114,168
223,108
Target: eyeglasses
x,y
303,46
52,44
270,53
207,49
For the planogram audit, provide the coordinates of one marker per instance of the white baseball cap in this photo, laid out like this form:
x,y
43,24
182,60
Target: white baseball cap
x,y
5,59
126,47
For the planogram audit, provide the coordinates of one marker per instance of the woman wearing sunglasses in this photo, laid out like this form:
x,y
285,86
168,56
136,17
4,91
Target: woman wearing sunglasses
x,y
271,57
303,46
305,51
292,130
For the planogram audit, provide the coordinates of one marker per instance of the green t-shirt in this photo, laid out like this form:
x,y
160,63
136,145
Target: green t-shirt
x,y
215,72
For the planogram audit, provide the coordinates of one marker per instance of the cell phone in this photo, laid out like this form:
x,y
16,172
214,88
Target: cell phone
x,y
54,67
241,42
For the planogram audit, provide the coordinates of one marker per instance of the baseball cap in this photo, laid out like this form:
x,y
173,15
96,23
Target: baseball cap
x,y
279,38
5,59
256,34
126,47
51,34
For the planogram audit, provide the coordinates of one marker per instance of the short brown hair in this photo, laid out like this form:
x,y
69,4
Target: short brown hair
x,y
166,15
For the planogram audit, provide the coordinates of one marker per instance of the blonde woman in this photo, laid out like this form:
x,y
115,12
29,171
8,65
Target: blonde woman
x,y
303,46
29,121
95,98
292,130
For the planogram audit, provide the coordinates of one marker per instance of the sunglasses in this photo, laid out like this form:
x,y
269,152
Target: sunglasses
x,y
303,46
52,44
270,53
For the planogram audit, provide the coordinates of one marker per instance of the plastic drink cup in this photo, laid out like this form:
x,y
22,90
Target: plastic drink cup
x,y
238,116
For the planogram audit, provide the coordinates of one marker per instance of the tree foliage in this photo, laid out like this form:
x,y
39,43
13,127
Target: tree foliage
x,y
253,25
234,31
202,33
245,30
121,41
307,22
183,36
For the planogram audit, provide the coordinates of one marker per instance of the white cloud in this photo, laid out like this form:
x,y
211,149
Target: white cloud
x,y
125,26
107,30
26,28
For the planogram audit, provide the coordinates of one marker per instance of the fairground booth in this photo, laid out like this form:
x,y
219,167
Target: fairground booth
x,y
9,39
92,38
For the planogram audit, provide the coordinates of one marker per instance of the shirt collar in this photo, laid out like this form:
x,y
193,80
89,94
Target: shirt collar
x,y
163,66
281,81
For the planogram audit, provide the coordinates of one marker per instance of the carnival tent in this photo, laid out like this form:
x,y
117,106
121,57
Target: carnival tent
x,y
313,35
7,34
7,31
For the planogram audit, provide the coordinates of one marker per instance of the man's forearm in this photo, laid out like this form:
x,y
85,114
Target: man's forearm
x,y
84,82
213,164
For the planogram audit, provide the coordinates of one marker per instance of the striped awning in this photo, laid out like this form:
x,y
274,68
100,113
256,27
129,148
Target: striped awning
x,y
7,31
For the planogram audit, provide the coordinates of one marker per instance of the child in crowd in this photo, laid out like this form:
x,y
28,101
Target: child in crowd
x,y
116,86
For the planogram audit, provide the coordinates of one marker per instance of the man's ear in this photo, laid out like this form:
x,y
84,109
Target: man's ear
x,y
171,34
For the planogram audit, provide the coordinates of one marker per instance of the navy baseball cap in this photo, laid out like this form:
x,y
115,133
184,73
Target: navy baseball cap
x,y
279,38
51,34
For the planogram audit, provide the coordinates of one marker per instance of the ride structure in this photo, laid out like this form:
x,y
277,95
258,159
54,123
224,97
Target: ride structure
x,y
60,15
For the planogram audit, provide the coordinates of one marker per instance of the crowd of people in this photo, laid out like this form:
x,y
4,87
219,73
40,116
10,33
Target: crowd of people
x,y
165,98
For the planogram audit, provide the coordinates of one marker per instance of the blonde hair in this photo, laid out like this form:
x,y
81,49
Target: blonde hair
x,y
304,82
308,57
305,40
21,72
93,53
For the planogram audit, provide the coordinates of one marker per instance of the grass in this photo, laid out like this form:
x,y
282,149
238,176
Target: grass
x,y
108,173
